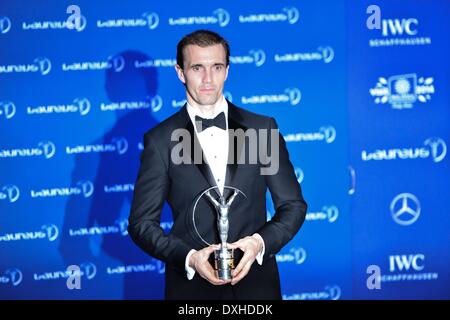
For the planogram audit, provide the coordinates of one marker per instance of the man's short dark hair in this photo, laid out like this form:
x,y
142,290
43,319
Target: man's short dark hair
x,y
201,38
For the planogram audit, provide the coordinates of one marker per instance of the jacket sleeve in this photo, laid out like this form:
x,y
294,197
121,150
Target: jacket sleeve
x,y
290,206
150,192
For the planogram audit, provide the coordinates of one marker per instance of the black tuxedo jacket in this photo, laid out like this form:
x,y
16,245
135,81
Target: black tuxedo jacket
x,y
160,179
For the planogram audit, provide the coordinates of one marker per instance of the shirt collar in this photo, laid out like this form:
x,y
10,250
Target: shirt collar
x,y
221,107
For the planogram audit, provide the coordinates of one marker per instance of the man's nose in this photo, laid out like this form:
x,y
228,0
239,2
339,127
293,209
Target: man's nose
x,y
207,76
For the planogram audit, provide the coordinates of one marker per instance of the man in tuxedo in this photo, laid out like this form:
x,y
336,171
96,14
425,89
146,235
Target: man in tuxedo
x,y
172,171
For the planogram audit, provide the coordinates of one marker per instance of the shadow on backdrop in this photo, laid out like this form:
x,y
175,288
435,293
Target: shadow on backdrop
x,y
113,174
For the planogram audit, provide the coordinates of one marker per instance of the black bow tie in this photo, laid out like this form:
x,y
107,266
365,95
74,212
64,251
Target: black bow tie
x,y
218,121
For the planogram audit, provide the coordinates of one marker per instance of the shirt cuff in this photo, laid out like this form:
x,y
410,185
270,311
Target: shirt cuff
x,y
260,255
190,272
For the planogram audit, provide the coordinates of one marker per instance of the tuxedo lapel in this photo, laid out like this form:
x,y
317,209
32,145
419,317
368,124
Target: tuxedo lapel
x,y
234,123
200,163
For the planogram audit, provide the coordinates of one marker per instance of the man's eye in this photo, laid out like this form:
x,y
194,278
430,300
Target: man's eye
x,y
196,68
218,68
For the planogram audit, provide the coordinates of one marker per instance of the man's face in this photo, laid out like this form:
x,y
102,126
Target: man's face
x,y
204,73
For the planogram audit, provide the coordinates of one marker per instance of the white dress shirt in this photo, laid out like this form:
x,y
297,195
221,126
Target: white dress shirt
x,y
214,143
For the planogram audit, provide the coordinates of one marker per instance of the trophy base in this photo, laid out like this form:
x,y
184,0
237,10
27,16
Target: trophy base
x,y
224,263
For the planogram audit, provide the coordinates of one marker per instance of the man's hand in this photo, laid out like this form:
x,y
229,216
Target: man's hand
x,y
199,261
251,246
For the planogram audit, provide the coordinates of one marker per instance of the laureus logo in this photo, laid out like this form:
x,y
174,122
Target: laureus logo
x,y
123,226
8,109
84,106
156,103
152,20
5,24
10,193
88,269
329,133
117,62
223,16
295,95
48,148
121,145
44,65
14,276
86,187
438,148
259,57
292,14
51,232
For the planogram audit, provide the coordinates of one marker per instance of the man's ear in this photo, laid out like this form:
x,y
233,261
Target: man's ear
x,y
180,73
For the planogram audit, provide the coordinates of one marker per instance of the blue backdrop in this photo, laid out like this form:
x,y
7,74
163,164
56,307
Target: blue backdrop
x,y
364,111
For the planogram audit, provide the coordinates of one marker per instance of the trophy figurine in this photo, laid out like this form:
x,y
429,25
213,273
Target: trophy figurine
x,y
223,257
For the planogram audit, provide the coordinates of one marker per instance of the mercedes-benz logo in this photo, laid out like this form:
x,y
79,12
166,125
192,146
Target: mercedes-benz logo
x,y
405,209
